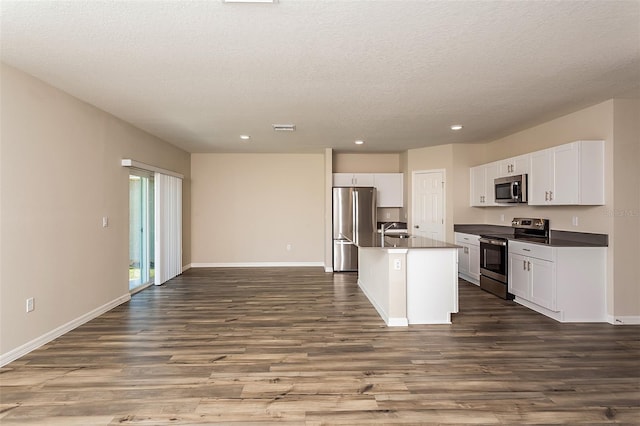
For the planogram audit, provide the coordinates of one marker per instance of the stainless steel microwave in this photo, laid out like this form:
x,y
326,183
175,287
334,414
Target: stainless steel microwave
x,y
511,189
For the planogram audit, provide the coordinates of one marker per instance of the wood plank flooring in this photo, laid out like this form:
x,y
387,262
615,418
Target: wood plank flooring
x,y
300,346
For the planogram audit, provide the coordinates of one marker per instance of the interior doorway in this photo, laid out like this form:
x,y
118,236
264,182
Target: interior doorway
x,y
428,204
141,230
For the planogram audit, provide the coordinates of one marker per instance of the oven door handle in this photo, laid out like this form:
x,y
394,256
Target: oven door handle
x,y
493,242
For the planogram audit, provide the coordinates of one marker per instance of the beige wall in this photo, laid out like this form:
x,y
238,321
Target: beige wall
x,y
328,210
432,158
246,208
625,212
366,163
60,174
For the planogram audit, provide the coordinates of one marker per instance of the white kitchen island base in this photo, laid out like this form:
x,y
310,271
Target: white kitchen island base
x,y
410,285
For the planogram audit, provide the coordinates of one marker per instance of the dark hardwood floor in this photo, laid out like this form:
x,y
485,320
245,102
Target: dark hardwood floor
x,y
256,346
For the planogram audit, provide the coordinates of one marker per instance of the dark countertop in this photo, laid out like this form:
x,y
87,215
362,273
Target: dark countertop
x,y
557,238
412,242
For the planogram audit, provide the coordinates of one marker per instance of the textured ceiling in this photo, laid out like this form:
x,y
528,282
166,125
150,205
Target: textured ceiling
x,y
394,73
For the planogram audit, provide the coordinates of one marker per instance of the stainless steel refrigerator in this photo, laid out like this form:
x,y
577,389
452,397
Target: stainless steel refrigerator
x,y
354,220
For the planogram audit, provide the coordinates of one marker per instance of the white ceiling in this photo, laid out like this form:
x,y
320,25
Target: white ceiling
x,y
394,73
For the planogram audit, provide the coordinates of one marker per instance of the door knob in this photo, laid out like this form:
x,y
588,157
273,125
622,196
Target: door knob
x,y
416,226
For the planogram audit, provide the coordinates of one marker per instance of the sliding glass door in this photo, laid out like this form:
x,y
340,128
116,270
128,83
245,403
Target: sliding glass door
x,y
141,230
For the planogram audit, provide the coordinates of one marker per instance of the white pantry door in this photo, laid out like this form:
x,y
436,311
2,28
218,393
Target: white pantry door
x,y
428,204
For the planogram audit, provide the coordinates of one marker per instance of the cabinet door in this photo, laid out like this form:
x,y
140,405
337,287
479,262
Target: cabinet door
x,y
514,166
477,186
363,179
518,275
491,173
543,282
540,172
343,179
520,165
566,177
390,189
463,259
474,261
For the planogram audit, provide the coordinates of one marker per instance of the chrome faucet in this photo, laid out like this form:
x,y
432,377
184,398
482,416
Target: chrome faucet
x,y
389,226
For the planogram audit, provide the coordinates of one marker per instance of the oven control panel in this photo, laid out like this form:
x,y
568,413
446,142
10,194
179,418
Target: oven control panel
x,y
528,223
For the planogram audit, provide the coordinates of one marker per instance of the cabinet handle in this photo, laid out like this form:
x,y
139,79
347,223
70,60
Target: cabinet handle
x,y
466,250
546,195
524,265
550,195
528,266
524,249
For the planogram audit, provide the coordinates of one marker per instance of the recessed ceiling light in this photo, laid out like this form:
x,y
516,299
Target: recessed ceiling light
x,y
456,126
359,142
245,137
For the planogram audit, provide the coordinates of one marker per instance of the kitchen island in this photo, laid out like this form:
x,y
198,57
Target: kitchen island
x,y
410,280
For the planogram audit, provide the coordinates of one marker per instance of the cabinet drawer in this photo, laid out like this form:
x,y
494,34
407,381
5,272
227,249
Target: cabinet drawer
x,y
471,239
532,250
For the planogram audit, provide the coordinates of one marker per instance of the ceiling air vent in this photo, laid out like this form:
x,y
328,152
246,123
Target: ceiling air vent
x,y
284,127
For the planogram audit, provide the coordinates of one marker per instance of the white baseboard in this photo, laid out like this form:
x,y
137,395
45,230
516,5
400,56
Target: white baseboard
x,y
389,321
256,264
398,322
20,351
623,320
328,269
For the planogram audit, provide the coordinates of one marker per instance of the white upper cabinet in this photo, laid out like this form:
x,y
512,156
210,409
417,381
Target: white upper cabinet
x,y
353,179
514,166
569,174
390,189
390,186
482,184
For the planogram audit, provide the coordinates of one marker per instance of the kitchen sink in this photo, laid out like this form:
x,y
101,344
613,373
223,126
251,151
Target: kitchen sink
x,y
398,235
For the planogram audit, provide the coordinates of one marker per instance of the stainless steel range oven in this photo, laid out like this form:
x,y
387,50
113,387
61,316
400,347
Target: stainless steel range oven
x,y
493,265
494,252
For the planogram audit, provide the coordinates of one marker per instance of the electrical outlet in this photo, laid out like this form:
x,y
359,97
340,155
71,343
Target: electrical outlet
x,y
397,264
30,304
387,215
575,221
289,247
105,221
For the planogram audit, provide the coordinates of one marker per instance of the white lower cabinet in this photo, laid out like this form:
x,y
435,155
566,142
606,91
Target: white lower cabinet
x,y
567,284
533,279
468,257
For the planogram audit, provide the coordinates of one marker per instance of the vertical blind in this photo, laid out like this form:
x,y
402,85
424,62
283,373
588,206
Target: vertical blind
x,y
168,227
